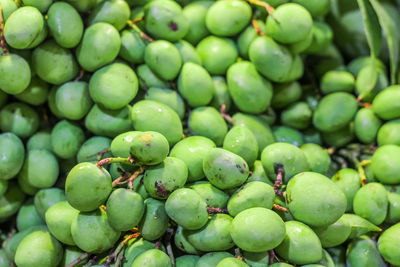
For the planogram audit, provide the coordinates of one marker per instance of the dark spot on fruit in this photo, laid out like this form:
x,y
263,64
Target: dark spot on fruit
x,y
238,166
181,246
244,165
241,171
161,190
173,26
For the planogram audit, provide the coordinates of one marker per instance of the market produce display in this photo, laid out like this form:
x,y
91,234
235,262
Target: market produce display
x,y
229,133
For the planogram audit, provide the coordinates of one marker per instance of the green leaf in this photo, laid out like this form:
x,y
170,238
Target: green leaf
x,y
392,38
372,26
359,225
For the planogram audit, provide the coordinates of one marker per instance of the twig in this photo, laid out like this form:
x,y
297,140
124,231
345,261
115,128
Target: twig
x,y
267,7
168,236
134,176
78,260
227,117
118,250
132,24
2,39
216,210
80,75
256,27
102,162
280,175
279,207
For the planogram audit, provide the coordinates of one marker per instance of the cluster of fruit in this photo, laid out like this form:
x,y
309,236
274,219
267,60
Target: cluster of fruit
x,y
229,133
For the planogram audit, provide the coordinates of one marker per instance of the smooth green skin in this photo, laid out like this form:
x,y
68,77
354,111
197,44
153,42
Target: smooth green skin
x,y
45,198
195,14
51,102
160,180
287,28
286,94
91,147
168,97
213,196
66,139
195,85
367,125
338,255
214,236
208,122
335,111
148,115
165,20
246,37
147,78
291,157
192,151
311,135
73,100
225,169
387,244
11,201
318,159
231,262
12,155
334,234
187,261
271,59
53,63
257,230
385,163
92,232
65,24
298,116
220,93
121,144
182,243
251,195
8,7
280,264
212,259
304,44
125,209
301,245
163,58
23,27
110,123
370,81
98,39
132,46
4,261
296,70
71,254
236,14
83,5
386,103
155,220
363,252
322,36
87,186
393,215
314,199
28,216
115,12
152,257
316,8
389,133
340,137
188,52
136,248
289,135
19,119
59,218
113,86
326,260
38,249
40,169
35,94
3,186
258,174
256,259
337,81
42,5
25,186
349,182
370,202
241,141
250,92
217,54
260,129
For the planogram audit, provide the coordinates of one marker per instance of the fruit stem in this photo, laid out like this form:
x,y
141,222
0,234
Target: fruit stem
x,y
257,27
361,170
132,24
269,8
80,75
134,176
279,207
212,210
227,117
280,175
78,260
272,257
168,236
2,39
118,250
120,179
128,160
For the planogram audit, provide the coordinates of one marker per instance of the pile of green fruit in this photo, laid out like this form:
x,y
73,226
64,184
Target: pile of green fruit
x,y
229,133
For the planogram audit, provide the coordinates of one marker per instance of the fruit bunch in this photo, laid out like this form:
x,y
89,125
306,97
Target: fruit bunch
x,y
229,133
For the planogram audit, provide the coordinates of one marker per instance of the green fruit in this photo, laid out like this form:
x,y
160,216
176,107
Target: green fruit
x,y
217,54
66,139
12,155
258,173
251,195
121,144
208,122
225,169
93,239
19,119
286,94
195,85
304,44
3,186
11,201
8,7
115,12
45,198
87,186
334,234
186,261
337,81
220,93
152,257
339,138
59,218
149,148
182,243
256,259
384,164
155,220
241,141
322,36
393,215
316,8
363,252
148,115
41,5
297,115
386,103
4,261
38,249
301,245
349,182
387,244
367,125
35,94
125,209
213,196
147,78
289,135
195,13
247,36
53,63
136,248
168,97
370,81
165,20
314,199
236,14
370,202
99,46
231,262
92,148
318,159
28,216
132,46
257,230
389,133
51,102
188,52
65,24
212,259
71,254
24,27
335,111
113,86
